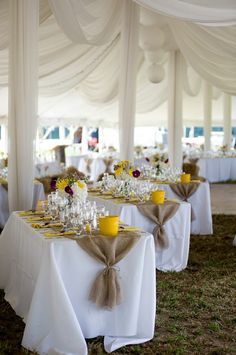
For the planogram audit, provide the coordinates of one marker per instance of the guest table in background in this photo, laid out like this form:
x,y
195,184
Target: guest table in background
x,y
47,282
4,208
201,205
175,257
47,169
217,169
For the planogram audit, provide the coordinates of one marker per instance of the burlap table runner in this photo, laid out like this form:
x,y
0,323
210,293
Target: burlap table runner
x,y
106,289
4,184
159,214
108,163
88,165
184,191
193,160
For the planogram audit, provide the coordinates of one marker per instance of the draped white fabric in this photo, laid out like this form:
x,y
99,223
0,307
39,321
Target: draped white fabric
x,y
92,22
127,89
22,102
209,12
210,51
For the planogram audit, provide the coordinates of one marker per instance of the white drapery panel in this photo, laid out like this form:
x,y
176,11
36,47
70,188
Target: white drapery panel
x,y
175,108
207,113
227,112
22,102
88,22
44,13
208,12
128,72
210,51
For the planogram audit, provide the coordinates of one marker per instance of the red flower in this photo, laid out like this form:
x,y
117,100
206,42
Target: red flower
x,y
69,190
136,173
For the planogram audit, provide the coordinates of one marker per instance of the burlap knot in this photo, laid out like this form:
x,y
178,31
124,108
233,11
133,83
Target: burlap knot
x,y
159,214
88,165
106,290
4,185
184,191
193,160
108,163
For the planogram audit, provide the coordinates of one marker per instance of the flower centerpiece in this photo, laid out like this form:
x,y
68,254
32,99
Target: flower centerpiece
x,y
124,169
224,149
70,187
159,161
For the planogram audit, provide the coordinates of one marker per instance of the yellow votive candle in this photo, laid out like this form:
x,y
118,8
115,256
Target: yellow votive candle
x,y
158,196
109,225
185,178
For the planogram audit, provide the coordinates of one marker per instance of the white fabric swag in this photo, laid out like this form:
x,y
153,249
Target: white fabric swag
x,y
208,12
22,102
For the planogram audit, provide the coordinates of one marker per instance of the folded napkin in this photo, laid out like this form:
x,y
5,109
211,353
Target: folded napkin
x,y
129,229
58,234
49,225
35,219
31,213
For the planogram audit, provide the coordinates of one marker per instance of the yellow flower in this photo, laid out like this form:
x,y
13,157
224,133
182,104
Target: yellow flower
x,y
81,184
61,184
124,163
118,171
130,172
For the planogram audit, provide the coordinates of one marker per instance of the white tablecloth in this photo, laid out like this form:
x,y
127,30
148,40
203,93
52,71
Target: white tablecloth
x,y
47,282
4,207
47,169
201,204
217,169
175,257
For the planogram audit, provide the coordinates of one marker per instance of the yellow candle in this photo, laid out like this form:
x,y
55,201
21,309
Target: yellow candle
x,y
158,196
185,178
109,225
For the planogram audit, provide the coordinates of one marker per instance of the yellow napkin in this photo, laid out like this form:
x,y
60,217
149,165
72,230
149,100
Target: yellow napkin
x,y
57,234
129,229
50,225
35,219
30,213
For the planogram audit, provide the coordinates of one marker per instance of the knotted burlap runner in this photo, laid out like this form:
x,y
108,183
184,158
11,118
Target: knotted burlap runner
x,y
193,160
184,191
106,289
4,184
159,214
108,163
88,165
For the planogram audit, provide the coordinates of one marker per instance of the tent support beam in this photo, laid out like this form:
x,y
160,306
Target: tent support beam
x,y
227,113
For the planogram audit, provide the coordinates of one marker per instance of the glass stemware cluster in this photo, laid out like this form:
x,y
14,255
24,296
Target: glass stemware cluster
x,y
81,216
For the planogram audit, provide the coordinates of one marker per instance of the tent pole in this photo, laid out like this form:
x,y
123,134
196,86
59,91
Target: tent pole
x,y
227,112
127,85
23,98
207,114
175,109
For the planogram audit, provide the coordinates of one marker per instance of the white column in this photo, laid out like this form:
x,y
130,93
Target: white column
x,y
84,142
175,109
23,98
227,111
207,114
127,85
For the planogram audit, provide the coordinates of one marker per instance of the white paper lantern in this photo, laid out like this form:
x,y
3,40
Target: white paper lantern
x,y
156,73
151,38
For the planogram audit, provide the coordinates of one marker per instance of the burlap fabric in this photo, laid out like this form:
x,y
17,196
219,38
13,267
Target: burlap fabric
x,y
88,165
184,191
159,214
108,163
106,289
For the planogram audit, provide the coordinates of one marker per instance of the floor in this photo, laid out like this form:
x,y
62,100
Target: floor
x,y
223,198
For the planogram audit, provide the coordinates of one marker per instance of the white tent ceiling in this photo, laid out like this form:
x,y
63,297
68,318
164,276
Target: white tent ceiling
x,y
78,83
